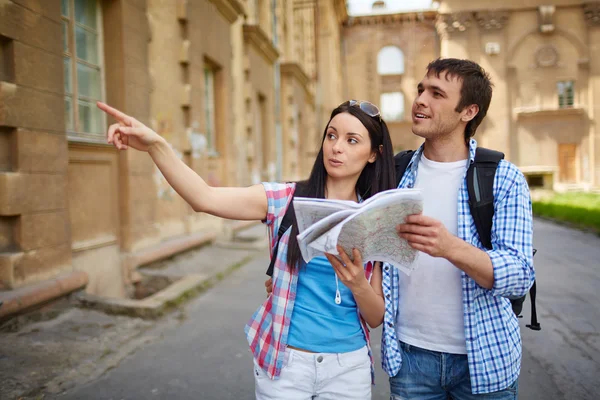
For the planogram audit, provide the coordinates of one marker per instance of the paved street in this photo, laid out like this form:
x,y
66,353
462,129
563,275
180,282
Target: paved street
x,y
564,357
200,352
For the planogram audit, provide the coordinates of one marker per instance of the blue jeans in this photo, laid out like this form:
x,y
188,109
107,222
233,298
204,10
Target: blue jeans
x,y
431,375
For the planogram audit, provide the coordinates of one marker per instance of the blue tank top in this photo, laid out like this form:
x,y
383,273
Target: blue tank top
x,y
318,324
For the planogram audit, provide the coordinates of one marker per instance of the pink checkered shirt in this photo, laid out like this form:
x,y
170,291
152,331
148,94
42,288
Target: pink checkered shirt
x,y
267,330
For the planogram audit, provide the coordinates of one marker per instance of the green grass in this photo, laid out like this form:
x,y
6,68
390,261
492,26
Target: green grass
x,y
579,209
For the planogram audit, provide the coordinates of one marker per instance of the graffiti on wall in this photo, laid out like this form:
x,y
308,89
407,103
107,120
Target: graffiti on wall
x,y
197,140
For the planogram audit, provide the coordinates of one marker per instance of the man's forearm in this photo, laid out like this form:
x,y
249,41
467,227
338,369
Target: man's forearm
x,y
473,261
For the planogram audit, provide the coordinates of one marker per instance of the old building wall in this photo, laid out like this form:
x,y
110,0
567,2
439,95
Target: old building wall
x,y
366,39
259,94
540,60
297,70
191,68
202,73
330,91
34,217
592,20
294,100
109,193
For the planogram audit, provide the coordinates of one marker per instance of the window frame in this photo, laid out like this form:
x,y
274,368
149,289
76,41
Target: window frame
x,y
563,93
403,103
75,132
402,67
210,110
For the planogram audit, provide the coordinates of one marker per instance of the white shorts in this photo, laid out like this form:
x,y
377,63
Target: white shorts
x,y
326,376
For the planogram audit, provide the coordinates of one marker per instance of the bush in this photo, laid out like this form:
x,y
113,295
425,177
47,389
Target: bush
x,y
580,209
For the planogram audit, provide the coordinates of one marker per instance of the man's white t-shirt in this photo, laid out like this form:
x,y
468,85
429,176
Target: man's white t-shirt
x,y
430,309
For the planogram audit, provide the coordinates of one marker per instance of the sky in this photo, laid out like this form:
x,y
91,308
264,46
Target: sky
x,y
362,7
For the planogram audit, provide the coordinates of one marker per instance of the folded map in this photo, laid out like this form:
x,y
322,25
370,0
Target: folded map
x,y
369,226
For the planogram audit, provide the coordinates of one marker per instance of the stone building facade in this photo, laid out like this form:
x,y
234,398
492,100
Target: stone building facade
x,y
242,89
543,60
233,85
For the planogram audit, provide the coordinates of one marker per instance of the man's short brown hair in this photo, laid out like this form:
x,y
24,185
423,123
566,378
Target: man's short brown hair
x,y
476,87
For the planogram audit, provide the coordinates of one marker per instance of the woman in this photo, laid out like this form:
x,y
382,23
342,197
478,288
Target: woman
x,y
304,342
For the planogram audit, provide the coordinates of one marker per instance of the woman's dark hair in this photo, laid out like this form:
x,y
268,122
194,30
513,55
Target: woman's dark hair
x,y
374,178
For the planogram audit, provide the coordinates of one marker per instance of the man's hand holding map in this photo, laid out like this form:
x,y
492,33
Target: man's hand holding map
x,y
369,227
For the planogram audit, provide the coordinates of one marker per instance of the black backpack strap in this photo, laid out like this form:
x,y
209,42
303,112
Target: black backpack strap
x,y
286,222
480,184
401,161
535,325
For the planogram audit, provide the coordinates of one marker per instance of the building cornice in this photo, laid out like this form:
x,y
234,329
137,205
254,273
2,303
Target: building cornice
x,y
493,19
548,112
230,9
254,35
453,23
295,70
591,12
392,19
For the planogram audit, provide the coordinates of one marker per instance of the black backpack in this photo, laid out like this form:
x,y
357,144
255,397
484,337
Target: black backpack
x,y
480,185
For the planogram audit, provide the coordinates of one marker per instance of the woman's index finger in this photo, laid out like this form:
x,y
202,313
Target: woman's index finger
x,y
120,116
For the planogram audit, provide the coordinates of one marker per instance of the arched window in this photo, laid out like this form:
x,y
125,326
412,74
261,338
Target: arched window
x,y
392,106
390,61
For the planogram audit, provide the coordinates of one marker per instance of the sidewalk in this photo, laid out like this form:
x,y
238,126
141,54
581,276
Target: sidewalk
x,y
64,344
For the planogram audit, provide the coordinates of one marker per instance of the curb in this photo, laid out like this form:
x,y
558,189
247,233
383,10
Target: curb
x,y
162,301
242,244
166,249
19,300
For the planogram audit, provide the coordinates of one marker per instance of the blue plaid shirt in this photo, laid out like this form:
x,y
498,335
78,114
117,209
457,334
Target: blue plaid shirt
x,y
492,332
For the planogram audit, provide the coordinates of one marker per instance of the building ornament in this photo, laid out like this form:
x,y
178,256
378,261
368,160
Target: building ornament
x,y
546,18
230,9
452,23
421,17
490,20
591,12
546,56
254,35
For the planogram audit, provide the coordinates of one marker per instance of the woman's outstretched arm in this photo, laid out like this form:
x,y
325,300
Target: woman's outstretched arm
x,y
249,203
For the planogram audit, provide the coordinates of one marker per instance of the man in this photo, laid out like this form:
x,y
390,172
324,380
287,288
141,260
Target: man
x,y
449,330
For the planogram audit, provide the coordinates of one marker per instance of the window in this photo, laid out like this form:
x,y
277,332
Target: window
x,y
535,181
82,67
209,107
392,106
566,94
6,60
390,61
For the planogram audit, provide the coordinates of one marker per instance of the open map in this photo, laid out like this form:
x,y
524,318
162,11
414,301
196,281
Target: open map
x,y
369,227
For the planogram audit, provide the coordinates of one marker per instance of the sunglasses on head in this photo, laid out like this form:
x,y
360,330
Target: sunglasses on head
x,y
367,107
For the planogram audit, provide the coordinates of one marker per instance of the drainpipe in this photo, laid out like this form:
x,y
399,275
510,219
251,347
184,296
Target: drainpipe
x,y
278,132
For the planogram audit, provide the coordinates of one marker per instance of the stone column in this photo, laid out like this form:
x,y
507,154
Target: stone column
x,y
592,17
452,29
495,131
